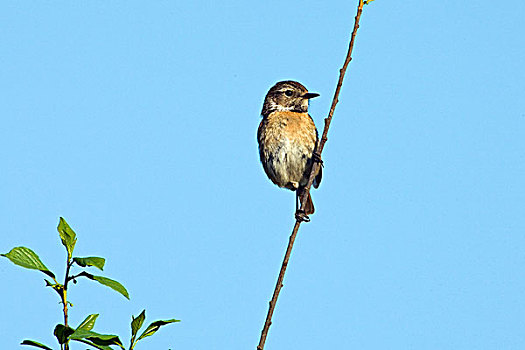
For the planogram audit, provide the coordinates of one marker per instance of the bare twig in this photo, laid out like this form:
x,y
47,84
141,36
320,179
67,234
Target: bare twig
x,y
313,172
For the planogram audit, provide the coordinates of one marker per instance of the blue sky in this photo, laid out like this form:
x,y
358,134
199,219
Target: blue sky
x,y
136,121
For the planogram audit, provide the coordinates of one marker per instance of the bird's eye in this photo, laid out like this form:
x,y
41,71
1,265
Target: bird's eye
x,y
288,93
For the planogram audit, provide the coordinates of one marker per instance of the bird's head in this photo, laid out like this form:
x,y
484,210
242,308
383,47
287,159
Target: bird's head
x,y
287,96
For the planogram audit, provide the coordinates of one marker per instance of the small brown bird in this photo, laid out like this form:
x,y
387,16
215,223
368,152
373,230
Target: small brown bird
x,y
287,140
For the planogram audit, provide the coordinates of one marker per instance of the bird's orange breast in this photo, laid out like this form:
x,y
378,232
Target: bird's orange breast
x,y
293,125
286,143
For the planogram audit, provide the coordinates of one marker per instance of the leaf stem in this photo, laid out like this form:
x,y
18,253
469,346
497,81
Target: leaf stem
x,y
81,274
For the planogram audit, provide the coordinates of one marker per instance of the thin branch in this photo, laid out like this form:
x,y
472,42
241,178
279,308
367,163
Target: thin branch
x,y
64,293
81,274
328,120
313,172
278,286
64,297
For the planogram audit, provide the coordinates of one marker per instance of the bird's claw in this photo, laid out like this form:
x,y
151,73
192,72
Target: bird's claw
x,y
301,216
316,157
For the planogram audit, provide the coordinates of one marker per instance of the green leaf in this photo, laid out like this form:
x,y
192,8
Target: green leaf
x,y
88,323
96,338
27,258
100,347
35,344
154,327
68,236
62,333
108,282
91,261
136,323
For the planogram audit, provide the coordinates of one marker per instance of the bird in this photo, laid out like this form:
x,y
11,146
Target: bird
x,y
288,139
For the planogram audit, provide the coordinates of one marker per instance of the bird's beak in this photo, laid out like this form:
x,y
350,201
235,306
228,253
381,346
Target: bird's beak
x,y
310,95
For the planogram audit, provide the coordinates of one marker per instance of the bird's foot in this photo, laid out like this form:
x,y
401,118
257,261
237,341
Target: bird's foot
x,y
316,157
301,216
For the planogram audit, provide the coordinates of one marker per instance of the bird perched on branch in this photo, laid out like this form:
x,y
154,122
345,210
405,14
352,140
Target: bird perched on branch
x,y
288,139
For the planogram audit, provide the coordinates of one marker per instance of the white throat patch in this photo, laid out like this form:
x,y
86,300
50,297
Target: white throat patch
x,y
280,108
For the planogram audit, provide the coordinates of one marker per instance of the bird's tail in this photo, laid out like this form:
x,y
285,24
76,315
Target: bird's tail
x,y
309,205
